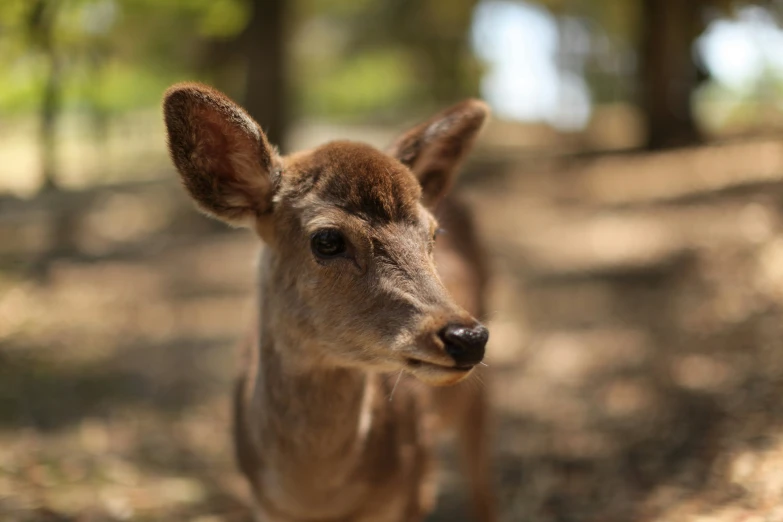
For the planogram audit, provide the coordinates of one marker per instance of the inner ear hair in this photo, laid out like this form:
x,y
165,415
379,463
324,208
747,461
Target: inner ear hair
x,y
224,159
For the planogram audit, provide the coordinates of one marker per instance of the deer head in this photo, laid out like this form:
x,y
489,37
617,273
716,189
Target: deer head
x,y
350,232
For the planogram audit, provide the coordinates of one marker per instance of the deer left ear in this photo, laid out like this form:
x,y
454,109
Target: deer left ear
x,y
434,149
224,159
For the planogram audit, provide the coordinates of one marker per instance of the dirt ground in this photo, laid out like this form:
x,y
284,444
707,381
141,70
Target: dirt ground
x,y
636,354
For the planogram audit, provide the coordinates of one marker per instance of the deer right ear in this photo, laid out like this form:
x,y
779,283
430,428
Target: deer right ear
x,y
225,161
434,149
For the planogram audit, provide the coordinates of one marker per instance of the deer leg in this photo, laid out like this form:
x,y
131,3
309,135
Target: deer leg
x,y
475,452
475,449
464,408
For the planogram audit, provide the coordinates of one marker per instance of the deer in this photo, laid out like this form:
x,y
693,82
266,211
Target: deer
x,y
366,340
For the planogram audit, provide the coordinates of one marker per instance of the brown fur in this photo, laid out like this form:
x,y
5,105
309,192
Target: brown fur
x,y
315,432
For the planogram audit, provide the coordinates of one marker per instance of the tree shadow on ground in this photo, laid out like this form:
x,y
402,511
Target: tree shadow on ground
x,y
46,395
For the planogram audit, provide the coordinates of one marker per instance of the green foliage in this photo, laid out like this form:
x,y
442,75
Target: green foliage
x,y
374,57
115,55
204,18
20,92
349,57
368,83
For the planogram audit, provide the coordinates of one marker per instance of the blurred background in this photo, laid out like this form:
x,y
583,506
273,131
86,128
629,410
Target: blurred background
x,y
629,192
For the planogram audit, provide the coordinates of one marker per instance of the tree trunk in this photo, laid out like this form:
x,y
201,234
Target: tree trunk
x,y
667,72
41,24
266,86
50,110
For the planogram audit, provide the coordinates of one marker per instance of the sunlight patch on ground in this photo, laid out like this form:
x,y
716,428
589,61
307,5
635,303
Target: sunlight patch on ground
x,y
132,147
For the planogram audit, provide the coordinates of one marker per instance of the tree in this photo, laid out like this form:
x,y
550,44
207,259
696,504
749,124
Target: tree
x,y
41,25
667,75
266,85
662,34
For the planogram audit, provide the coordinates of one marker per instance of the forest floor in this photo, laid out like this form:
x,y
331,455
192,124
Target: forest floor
x,y
636,356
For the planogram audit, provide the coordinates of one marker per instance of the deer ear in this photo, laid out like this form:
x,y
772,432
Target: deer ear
x,y
434,149
225,161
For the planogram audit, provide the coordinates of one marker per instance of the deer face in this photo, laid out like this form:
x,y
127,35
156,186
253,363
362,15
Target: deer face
x,y
349,230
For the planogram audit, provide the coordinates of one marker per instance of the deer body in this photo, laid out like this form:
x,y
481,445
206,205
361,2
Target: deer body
x,y
327,444
351,310
354,460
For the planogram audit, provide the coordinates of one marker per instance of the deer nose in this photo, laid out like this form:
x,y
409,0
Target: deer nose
x,y
465,344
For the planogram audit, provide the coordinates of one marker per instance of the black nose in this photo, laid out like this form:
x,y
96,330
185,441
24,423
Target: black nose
x,y
465,344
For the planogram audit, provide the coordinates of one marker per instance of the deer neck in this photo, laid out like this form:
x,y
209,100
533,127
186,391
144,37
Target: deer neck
x,y
321,409
308,411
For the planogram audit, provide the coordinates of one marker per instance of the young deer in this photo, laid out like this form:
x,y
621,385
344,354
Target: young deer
x,y
327,427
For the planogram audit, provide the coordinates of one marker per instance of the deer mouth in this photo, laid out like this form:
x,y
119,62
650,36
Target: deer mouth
x,y
414,364
436,374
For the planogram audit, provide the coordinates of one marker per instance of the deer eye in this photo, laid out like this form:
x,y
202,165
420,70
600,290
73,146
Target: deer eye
x,y
438,231
327,244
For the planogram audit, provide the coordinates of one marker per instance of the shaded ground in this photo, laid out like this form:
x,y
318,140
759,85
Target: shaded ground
x,y
636,345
